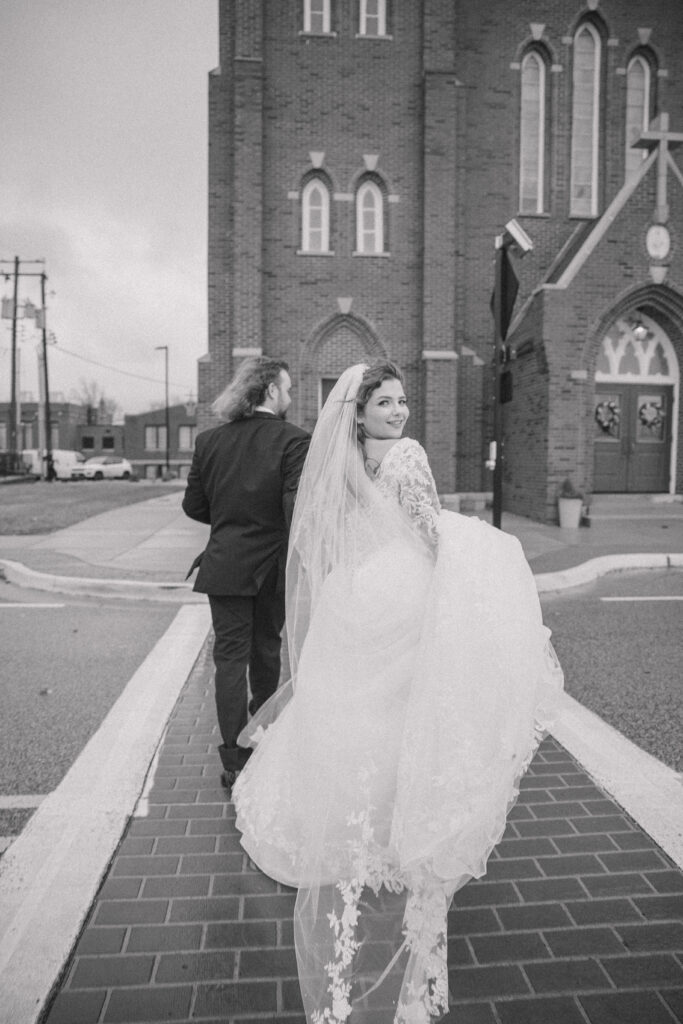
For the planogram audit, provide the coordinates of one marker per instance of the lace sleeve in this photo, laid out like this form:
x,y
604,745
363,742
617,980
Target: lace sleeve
x,y
417,491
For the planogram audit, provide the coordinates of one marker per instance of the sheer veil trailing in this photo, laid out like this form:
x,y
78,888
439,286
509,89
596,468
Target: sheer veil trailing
x,y
384,769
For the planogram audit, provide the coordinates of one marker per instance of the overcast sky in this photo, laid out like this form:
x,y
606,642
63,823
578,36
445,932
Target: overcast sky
x,y
103,115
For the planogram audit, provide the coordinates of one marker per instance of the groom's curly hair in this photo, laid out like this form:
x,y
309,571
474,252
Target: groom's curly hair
x,y
372,378
248,388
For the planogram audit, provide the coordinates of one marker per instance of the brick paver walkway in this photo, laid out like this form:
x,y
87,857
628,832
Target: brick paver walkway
x,y
578,921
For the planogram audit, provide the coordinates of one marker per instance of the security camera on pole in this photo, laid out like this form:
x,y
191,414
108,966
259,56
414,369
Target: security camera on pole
x,y
505,291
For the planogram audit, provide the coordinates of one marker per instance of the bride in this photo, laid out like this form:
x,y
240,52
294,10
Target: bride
x,y
422,679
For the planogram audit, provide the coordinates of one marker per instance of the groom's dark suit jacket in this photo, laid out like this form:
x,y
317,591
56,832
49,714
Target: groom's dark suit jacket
x,y
243,481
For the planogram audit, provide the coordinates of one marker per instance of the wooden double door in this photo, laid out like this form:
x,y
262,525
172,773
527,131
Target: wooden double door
x,y
632,437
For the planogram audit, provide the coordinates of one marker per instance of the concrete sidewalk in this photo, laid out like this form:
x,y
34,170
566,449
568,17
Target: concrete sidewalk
x,y
145,549
578,920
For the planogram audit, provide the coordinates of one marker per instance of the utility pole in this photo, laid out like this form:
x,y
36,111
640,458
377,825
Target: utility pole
x,y
13,425
14,457
168,427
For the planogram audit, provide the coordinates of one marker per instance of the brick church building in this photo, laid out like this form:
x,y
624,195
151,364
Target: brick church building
x,y
364,156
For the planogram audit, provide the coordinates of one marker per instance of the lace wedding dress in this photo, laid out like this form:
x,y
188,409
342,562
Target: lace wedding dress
x,y
421,690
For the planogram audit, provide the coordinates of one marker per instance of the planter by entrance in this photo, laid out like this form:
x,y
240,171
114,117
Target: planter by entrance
x,y
570,512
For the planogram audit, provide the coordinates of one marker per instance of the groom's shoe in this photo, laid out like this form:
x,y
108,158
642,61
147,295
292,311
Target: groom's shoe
x,y
228,779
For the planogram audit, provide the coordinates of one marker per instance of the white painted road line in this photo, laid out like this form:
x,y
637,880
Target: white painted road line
x,y
29,604
661,597
647,789
8,803
53,869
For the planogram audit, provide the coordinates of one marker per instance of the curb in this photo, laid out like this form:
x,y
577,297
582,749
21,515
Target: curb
x,y
51,873
136,590
647,789
586,572
131,590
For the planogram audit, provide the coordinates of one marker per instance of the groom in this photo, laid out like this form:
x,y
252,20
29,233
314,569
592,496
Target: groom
x,y
243,482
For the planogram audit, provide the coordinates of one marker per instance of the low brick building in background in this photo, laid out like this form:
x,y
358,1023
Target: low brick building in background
x,y
141,438
100,439
365,154
74,427
145,441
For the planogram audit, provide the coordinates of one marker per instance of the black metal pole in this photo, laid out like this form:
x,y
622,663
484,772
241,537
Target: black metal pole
x,y
497,376
49,465
168,426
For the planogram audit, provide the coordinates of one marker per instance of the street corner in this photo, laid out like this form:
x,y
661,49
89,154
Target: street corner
x,y
176,592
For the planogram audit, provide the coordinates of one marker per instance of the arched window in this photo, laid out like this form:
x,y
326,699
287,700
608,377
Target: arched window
x,y
317,17
638,78
315,216
585,122
532,134
369,218
373,18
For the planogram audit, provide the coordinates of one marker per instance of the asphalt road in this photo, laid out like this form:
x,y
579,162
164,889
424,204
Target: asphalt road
x,y
622,658
62,668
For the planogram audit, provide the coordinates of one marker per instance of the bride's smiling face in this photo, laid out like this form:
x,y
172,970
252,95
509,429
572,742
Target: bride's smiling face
x,y
386,411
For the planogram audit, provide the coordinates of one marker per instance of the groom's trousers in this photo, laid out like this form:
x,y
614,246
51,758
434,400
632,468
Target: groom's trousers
x,y
246,652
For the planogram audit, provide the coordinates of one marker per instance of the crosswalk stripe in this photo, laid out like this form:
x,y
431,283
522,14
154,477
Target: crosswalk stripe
x,y
24,800
29,604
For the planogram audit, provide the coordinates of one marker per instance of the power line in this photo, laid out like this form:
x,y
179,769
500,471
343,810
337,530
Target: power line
x,y
114,369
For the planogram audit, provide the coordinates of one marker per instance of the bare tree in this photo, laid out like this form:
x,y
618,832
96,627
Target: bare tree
x,y
101,409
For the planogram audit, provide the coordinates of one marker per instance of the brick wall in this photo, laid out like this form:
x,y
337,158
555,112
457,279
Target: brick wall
x,y
435,111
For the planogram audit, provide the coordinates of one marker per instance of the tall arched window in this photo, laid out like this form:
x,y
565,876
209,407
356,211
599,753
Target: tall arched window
x,y
369,218
532,134
373,18
317,16
585,122
315,216
637,110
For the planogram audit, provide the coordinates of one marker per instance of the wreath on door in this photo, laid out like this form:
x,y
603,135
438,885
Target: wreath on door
x,y
651,415
607,417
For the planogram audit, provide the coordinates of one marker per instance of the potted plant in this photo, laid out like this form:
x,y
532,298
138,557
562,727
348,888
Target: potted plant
x,y
569,505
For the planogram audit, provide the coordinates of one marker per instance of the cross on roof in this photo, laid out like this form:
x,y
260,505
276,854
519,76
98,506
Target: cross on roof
x,y
658,134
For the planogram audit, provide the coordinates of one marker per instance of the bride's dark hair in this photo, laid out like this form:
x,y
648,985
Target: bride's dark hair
x,y
372,378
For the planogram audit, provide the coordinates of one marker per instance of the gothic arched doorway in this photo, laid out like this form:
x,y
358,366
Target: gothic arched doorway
x,y
634,412
344,339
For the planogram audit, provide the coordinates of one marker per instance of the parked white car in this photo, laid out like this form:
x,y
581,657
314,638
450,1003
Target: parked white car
x,y
103,467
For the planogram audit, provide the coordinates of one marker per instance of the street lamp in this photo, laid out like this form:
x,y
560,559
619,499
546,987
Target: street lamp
x,y
638,329
47,410
168,429
504,294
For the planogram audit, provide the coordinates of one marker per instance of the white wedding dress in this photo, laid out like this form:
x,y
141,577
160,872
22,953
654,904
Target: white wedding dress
x,y
422,688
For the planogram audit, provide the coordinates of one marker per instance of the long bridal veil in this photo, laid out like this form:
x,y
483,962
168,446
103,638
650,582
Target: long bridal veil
x,y
419,691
